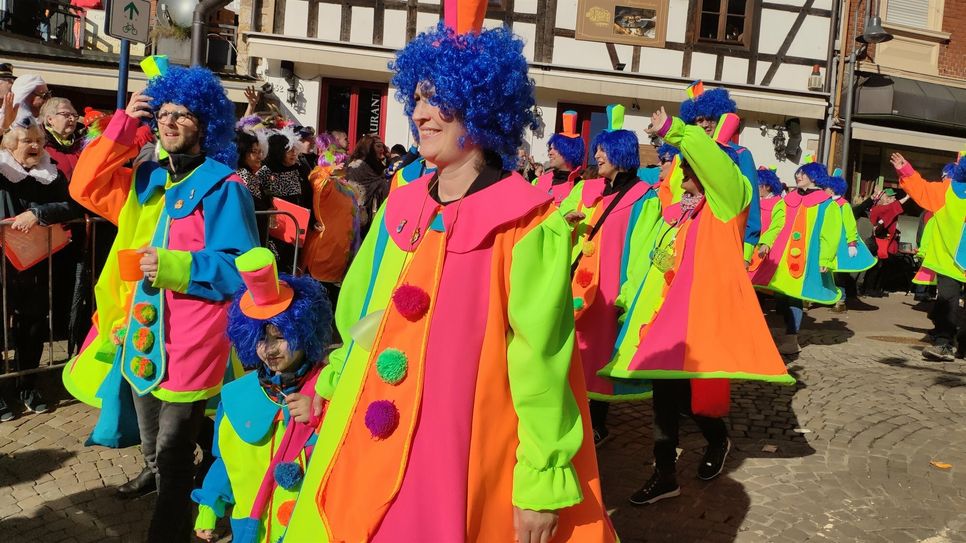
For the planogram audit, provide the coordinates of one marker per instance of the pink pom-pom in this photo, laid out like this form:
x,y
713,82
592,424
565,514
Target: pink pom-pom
x,y
412,302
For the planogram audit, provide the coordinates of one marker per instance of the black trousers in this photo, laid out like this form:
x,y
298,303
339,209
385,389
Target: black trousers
x,y
671,398
168,435
945,310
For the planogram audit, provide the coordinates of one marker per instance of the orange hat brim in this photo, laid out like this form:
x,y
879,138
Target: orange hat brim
x,y
262,312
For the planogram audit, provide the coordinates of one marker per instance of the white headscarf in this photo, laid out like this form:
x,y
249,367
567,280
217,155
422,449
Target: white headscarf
x,y
22,88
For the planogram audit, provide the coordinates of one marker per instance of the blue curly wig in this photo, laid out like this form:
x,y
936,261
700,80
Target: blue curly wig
x,y
959,170
621,146
814,170
481,79
768,178
835,183
667,152
710,104
571,149
306,324
201,92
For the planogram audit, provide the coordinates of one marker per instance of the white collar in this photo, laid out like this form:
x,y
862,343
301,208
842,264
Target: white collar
x,y
45,173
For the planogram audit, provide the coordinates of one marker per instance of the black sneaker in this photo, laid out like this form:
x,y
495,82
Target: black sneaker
x,y
941,351
657,488
33,401
601,436
6,414
714,460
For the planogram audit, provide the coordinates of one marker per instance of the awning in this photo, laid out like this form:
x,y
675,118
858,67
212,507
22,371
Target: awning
x,y
909,103
370,63
908,138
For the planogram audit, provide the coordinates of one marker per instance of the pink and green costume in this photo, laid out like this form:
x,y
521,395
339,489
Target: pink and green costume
x,y
165,338
261,454
803,237
623,241
945,251
462,400
863,259
692,312
559,191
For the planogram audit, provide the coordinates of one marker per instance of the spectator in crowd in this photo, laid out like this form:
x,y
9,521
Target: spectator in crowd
x,y
283,176
33,193
252,148
308,154
30,92
367,170
64,143
341,138
397,155
6,95
884,216
525,165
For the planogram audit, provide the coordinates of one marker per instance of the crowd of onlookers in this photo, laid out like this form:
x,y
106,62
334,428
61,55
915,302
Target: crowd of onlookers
x,y
339,184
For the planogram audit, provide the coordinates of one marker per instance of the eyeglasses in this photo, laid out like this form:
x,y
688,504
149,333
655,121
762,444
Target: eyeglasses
x,y
66,115
181,117
45,95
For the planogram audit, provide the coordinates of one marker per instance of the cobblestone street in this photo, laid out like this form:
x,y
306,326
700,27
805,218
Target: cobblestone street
x,y
869,446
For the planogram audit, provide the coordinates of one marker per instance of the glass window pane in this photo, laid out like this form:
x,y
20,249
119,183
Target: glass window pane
x,y
736,7
711,5
337,108
709,26
370,111
735,28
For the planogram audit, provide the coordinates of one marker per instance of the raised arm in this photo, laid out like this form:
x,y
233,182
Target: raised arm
x,y
929,196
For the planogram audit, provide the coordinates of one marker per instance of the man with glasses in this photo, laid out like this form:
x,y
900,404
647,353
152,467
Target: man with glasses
x,y
187,216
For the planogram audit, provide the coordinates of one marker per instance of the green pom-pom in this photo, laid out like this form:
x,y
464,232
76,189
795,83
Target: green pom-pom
x,y
143,340
392,365
578,304
145,313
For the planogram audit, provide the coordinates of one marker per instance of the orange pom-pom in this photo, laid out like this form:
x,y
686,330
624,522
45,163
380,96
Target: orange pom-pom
x,y
285,512
584,277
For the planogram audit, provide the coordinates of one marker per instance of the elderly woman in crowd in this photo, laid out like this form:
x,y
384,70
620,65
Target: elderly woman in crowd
x,y
64,141
32,193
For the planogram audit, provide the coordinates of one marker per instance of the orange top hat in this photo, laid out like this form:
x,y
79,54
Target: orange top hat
x,y
267,295
570,125
464,16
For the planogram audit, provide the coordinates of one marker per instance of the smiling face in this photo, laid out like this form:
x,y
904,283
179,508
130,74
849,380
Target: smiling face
x,y
439,132
274,351
604,167
556,160
178,129
26,145
253,158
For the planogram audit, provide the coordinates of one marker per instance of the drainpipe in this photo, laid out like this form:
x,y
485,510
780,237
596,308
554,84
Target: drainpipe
x,y
831,82
199,29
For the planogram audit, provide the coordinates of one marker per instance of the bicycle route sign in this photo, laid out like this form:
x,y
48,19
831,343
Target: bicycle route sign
x,y
129,20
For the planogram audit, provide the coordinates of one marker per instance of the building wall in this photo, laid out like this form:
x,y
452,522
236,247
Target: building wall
x,y
952,56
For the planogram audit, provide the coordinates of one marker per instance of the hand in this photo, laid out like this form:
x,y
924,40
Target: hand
x,y
300,407
207,535
139,107
317,405
574,217
876,196
853,251
9,111
823,269
25,221
658,118
534,526
253,95
149,262
763,250
898,161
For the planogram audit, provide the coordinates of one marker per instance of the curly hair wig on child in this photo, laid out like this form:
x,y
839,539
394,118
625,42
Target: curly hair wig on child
x,y
710,104
814,171
768,178
571,149
621,147
480,79
667,152
306,325
836,184
201,92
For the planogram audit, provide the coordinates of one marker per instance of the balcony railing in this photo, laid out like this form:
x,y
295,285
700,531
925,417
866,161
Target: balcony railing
x,y
54,22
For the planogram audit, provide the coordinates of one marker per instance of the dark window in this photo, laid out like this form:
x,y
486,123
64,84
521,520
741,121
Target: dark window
x,y
725,21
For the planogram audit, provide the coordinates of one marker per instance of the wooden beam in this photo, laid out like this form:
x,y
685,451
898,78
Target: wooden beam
x,y
718,67
689,37
612,53
278,19
345,30
411,19
379,22
313,28
754,47
786,45
636,59
795,9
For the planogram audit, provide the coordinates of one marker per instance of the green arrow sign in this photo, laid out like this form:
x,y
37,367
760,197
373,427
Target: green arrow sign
x,y
131,10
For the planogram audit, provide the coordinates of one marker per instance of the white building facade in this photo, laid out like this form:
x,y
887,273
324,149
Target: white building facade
x,y
327,61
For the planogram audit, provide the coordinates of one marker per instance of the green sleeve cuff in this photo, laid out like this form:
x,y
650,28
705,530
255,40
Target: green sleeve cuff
x,y
328,379
545,490
206,518
749,251
174,270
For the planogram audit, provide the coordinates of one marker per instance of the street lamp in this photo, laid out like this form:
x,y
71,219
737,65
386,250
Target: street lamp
x,y
872,33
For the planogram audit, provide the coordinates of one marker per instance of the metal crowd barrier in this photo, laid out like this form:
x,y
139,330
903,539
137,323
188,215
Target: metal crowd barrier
x,y
93,272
